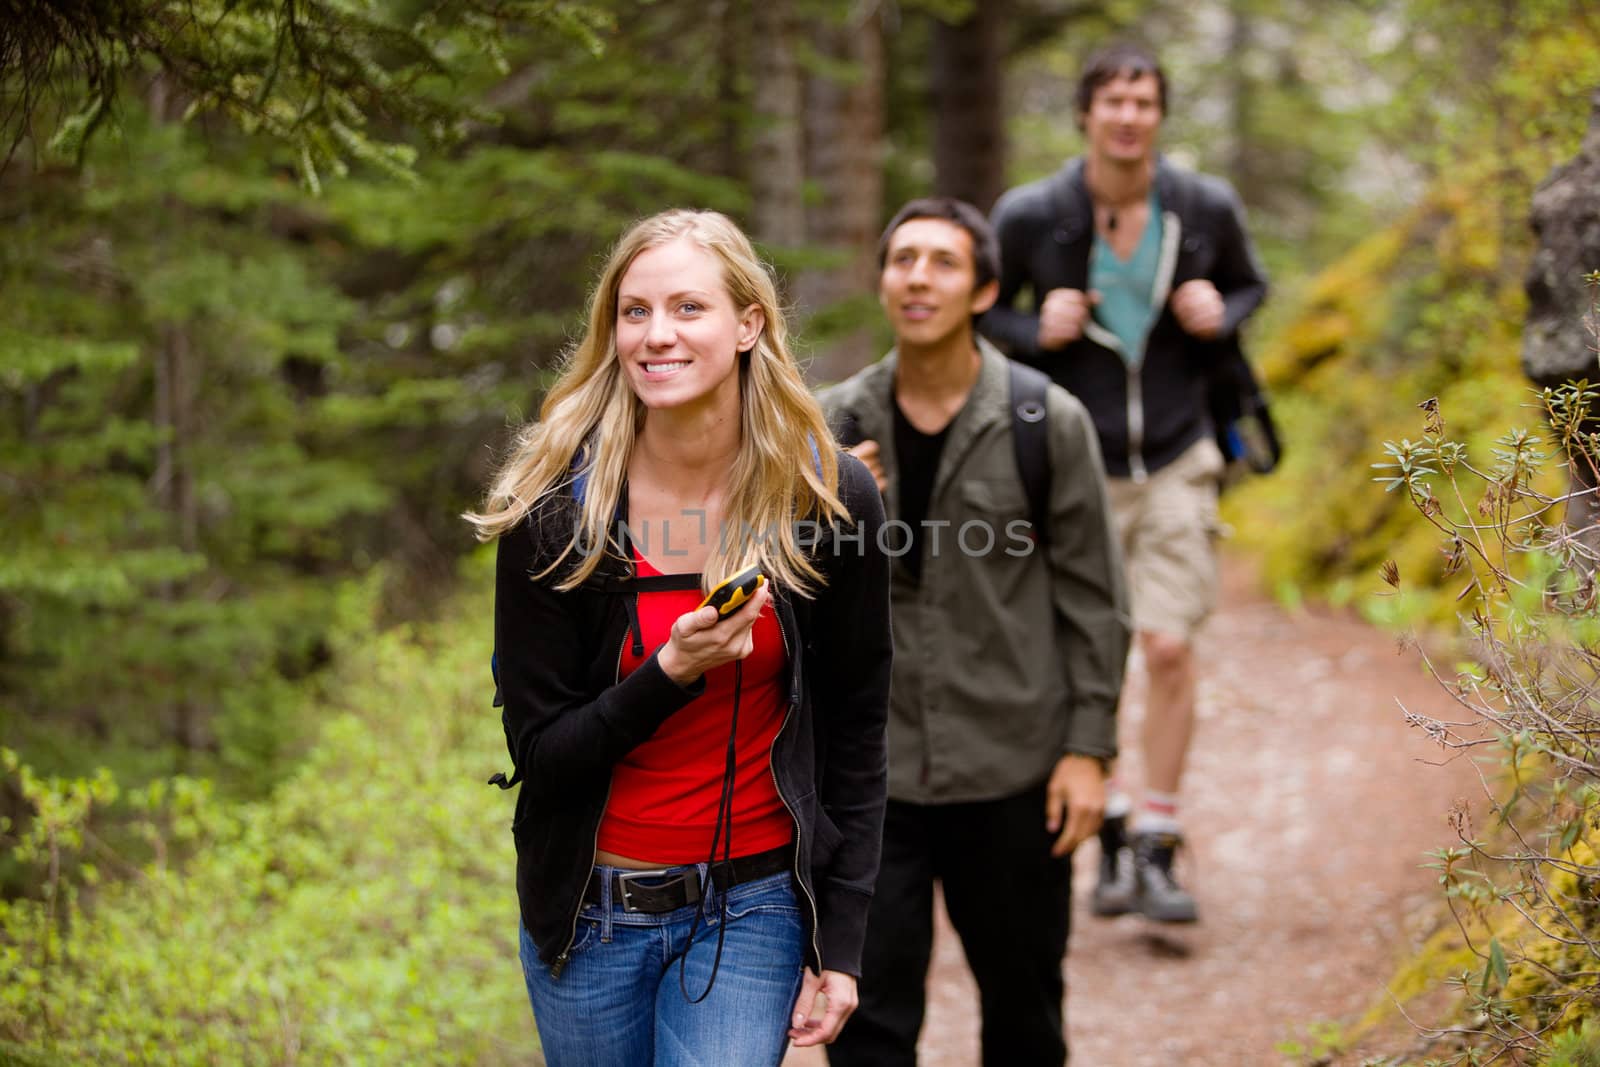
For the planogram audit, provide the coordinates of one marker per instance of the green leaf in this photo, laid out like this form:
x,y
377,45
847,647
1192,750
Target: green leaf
x,y
26,359
1497,964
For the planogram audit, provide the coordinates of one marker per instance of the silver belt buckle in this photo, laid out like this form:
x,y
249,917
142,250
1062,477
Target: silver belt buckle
x,y
624,878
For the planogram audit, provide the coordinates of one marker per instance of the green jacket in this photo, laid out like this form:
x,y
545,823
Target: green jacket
x,y
1004,661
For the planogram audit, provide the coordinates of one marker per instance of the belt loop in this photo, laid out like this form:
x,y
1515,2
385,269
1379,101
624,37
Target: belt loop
x,y
604,874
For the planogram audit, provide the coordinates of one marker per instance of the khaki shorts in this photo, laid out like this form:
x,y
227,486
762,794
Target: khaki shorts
x,y
1168,525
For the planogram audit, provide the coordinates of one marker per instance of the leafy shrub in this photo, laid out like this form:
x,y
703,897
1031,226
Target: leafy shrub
x,y
1525,891
363,913
1577,1048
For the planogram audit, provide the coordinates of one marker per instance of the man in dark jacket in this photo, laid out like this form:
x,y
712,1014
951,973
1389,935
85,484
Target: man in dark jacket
x,y
1141,276
1009,647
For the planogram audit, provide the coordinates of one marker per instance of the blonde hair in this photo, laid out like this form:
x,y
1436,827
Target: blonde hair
x,y
785,471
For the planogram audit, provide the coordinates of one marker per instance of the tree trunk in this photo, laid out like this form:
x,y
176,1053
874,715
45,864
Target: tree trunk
x,y
732,45
1241,112
173,481
844,125
175,378
968,92
174,488
777,150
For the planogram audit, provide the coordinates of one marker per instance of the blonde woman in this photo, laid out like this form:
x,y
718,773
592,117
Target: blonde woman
x,y
701,801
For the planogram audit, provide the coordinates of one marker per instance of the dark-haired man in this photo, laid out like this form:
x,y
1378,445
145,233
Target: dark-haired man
x,y
1141,276
1010,633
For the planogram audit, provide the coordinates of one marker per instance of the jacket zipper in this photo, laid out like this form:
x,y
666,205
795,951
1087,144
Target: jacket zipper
x,y
1171,235
1136,467
777,787
594,846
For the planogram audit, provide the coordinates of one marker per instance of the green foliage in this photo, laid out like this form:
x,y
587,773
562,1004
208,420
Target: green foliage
x,y
320,77
1577,1048
12,1055
1524,891
363,912
1430,305
165,486
233,410
1322,1041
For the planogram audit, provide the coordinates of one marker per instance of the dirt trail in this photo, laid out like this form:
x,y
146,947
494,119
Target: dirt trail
x,y
1308,809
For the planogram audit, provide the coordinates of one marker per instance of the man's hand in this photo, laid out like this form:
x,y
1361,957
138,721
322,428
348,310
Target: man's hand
x,y
1077,789
1198,308
867,452
1063,315
837,991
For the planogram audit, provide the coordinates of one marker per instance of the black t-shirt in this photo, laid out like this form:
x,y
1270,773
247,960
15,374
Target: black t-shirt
x,y
917,459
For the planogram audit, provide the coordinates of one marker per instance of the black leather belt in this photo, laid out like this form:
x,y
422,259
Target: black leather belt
x,y
670,888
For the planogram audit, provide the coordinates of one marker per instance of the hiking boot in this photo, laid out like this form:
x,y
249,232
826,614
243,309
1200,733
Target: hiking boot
x,y
1114,893
1157,895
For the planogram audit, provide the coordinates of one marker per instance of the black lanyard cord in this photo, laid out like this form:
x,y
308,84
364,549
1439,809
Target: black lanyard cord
x,y
724,823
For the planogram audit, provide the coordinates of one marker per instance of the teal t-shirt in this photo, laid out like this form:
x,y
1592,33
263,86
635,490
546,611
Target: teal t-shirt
x,y
1125,286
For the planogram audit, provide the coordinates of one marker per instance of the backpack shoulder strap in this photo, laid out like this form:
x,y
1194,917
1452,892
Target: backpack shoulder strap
x,y
1030,438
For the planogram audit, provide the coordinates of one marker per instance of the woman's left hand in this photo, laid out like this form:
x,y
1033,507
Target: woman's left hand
x,y
838,993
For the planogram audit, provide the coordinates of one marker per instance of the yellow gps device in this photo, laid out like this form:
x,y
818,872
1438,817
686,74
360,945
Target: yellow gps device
x,y
731,593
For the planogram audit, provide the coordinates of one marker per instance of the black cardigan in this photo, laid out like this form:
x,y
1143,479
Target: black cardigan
x,y
569,720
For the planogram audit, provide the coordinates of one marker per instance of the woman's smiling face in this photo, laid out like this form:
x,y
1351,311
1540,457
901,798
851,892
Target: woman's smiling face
x,y
678,333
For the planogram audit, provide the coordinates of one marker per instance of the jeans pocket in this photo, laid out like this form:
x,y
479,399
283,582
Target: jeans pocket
x,y
772,896
586,935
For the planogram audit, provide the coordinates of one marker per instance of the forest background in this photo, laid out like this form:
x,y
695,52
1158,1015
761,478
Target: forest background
x,y
279,278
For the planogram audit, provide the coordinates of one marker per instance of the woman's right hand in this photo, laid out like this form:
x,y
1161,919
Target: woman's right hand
x,y
701,641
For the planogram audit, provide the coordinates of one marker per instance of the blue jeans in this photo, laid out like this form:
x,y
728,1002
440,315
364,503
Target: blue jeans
x,y
618,1003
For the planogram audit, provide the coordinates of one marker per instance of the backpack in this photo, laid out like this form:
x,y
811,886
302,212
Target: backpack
x,y
1030,441
1245,431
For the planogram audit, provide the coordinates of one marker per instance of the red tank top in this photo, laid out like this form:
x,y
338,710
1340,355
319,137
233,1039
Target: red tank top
x,y
663,804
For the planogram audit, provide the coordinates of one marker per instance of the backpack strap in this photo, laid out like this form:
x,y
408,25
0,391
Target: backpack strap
x,y
1030,438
